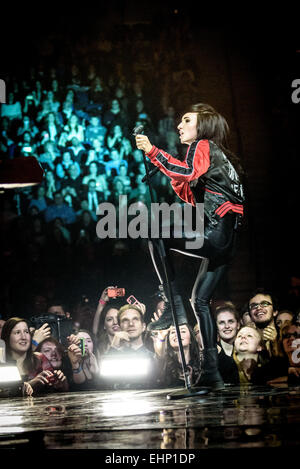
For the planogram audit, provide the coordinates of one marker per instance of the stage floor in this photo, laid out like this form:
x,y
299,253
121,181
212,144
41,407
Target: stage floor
x,y
238,417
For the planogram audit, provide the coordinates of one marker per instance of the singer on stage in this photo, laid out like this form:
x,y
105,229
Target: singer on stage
x,y
209,174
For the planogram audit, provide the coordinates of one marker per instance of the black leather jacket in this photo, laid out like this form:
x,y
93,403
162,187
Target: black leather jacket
x,y
219,188
205,176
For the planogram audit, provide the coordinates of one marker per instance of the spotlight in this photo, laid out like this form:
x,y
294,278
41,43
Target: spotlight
x,y
125,367
11,383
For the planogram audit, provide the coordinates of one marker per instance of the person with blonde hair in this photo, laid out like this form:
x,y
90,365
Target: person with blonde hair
x,y
247,345
284,368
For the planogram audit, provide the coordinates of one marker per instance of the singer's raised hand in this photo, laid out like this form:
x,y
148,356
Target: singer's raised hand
x,y
143,143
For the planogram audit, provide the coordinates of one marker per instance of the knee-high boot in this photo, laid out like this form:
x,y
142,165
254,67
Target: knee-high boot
x,y
166,319
210,375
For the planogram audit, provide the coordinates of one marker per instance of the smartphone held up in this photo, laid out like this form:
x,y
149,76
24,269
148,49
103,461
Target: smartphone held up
x,y
115,292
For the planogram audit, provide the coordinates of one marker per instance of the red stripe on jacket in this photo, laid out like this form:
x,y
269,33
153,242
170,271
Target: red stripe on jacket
x,y
198,162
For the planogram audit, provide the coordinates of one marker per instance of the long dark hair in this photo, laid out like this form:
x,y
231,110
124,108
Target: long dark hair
x,y
90,333
101,340
31,360
211,125
171,367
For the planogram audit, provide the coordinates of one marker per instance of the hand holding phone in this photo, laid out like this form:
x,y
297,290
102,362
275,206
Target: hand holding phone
x,y
115,292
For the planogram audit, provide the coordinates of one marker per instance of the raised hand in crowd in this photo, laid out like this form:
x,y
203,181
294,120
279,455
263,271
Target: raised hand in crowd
x,y
73,339
104,298
90,365
269,333
120,339
89,360
75,357
159,337
40,334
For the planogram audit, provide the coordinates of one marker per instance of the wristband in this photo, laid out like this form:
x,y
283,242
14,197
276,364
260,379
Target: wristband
x,y
162,340
34,342
102,302
78,370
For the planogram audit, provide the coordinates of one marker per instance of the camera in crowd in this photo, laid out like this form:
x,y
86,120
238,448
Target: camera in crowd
x,y
82,346
60,326
115,292
53,379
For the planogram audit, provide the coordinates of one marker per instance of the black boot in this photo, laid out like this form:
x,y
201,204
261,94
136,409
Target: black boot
x,y
166,319
210,375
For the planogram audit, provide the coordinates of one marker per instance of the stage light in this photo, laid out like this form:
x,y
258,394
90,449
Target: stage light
x,y
20,172
128,367
9,374
10,381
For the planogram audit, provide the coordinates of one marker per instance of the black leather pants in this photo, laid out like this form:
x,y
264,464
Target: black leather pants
x,y
217,251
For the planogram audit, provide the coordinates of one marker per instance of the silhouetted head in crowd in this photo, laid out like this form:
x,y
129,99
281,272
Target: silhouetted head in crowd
x,y
59,308
284,316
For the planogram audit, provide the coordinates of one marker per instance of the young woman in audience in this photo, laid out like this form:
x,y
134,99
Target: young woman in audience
x,y
52,126
170,362
285,367
105,323
33,366
228,324
74,128
247,347
101,182
89,362
54,352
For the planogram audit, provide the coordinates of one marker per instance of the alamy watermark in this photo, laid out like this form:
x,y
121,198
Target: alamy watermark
x,y
2,91
296,93
160,220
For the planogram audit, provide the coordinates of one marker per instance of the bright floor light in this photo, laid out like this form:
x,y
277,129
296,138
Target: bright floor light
x,y
9,374
125,367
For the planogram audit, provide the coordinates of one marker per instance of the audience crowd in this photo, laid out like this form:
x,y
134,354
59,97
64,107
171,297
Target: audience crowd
x,y
74,109
76,116
262,347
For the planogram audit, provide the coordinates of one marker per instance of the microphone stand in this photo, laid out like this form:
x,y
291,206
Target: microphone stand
x,y
190,391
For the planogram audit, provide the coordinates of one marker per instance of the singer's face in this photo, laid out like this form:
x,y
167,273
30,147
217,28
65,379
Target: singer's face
x,y
188,128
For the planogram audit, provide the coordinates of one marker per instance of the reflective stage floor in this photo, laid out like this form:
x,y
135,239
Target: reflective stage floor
x,y
236,418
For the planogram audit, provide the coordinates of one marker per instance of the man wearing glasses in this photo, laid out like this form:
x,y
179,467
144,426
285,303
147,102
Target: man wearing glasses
x,y
263,310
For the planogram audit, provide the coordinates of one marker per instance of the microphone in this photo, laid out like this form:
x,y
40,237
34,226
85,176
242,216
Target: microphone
x,y
151,173
139,129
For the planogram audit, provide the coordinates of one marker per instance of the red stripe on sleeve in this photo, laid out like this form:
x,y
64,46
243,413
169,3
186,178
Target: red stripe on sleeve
x,y
196,162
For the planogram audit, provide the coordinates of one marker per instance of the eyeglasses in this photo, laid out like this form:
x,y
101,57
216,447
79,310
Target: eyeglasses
x,y
254,306
288,335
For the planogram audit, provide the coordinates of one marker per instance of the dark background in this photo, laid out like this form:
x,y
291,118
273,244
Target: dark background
x,y
249,59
